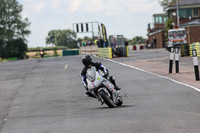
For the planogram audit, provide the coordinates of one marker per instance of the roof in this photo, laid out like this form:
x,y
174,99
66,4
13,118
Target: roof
x,y
194,22
188,2
185,4
160,14
176,29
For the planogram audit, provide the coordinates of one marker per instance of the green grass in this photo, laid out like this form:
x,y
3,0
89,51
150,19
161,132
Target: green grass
x,y
46,56
8,59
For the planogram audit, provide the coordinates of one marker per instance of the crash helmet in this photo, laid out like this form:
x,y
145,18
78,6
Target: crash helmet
x,y
86,60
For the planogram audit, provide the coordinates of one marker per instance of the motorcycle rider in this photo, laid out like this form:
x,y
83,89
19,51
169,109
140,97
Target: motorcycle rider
x,y
41,53
87,62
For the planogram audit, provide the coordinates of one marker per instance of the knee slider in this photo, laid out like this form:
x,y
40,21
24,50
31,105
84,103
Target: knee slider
x,y
112,77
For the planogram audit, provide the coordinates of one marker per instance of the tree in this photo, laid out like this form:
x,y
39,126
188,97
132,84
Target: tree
x,y
12,28
62,38
17,48
168,26
163,3
137,40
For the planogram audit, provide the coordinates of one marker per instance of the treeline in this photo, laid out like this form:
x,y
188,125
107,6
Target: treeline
x,y
62,38
136,40
13,30
68,38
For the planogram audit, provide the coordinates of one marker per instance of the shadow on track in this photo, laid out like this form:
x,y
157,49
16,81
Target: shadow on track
x,y
123,106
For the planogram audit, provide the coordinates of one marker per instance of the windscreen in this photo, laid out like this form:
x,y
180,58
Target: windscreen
x,y
176,34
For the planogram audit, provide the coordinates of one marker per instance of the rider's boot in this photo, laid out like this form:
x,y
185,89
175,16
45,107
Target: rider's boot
x,y
117,88
112,79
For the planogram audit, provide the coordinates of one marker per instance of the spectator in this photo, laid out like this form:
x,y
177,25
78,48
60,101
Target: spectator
x,y
126,43
101,42
152,43
86,43
98,42
147,43
89,43
155,42
114,43
104,44
83,43
95,42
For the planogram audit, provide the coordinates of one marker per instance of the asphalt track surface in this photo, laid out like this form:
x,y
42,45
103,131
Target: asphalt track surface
x,y
47,96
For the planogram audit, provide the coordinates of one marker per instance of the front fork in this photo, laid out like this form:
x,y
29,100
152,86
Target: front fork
x,y
114,95
106,91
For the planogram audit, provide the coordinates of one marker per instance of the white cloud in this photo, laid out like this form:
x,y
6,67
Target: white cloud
x,y
93,6
142,6
123,21
33,6
110,13
38,6
56,3
75,5
28,0
113,7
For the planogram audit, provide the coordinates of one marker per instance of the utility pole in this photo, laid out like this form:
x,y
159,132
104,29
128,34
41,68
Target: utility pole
x,y
177,13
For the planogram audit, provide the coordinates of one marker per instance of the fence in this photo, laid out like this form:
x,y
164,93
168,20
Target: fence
x,y
89,50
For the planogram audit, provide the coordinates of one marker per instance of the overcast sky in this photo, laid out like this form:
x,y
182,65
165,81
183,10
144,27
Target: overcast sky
x,y
124,17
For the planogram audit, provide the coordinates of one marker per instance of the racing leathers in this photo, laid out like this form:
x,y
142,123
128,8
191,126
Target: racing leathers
x,y
98,67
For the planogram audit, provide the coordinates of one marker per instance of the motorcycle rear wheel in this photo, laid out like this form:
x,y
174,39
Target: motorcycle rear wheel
x,y
106,99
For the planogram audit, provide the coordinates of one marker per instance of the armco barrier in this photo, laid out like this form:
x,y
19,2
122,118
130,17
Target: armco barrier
x,y
130,47
105,52
70,52
195,46
136,47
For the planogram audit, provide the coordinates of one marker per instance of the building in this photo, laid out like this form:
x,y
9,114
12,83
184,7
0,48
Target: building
x,y
157,33
188,17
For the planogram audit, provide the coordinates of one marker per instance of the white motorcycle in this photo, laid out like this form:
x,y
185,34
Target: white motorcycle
x,y
102,88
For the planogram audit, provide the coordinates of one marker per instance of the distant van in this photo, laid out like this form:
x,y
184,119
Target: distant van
x,y
177,36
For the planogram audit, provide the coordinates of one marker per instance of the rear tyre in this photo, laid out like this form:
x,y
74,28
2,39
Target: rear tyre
x,y
106,99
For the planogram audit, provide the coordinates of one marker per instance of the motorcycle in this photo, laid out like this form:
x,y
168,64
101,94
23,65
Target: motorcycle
x,y
41,53
102,88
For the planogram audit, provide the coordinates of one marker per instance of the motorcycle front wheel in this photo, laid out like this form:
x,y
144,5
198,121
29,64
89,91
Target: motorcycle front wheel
x,y
120,101
106,99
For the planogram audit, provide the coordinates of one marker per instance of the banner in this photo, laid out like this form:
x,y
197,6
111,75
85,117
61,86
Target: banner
x,y
104,33
99,31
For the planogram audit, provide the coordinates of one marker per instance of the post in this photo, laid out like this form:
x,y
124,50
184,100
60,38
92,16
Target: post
x,y
91,48
195,62
177,13
85,49
171,60
177,59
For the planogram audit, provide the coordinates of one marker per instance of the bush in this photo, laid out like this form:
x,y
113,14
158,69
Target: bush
x,y
47,48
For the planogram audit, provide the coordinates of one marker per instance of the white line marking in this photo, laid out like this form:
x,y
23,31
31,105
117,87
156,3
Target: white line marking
x,y
66,67
195,88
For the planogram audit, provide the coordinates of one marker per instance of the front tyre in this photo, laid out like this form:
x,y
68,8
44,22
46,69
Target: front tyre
x,y
120,101
106,99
